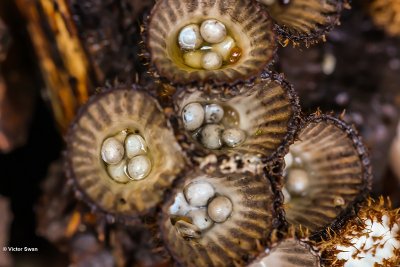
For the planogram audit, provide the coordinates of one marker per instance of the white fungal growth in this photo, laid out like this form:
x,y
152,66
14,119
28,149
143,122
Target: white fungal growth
x,y
233,137
200,218
211,61
213,113
234,164
198,193
213,31
219,209
135,145
112,151
211,136
297,181
189,37
376,243
139,167
192,116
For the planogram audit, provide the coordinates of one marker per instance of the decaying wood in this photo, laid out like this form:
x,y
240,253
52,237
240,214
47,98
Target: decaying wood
x,y
109,31
82,45
61,57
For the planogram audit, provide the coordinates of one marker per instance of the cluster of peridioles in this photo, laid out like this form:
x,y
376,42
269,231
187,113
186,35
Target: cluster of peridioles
x,y
126,156
214,218
211,126
208,46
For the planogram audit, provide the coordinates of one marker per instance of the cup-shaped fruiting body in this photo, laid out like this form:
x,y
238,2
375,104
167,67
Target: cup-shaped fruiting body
x,y
327,174
386,14
119,152
255,119
222,42
213,219
290,252
369,240
304,20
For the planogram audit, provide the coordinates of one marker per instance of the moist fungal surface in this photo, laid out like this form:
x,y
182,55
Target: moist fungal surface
x,y
288,253
213,125
201,206
126,156
218,220
382,236
255,119
208,46
118,153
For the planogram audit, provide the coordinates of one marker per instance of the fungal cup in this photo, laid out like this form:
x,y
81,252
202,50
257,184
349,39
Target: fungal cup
x,y
117,153
255,119
218,42
221,219
327,174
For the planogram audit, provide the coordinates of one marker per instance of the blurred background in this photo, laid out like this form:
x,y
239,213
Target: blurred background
x,y
55,53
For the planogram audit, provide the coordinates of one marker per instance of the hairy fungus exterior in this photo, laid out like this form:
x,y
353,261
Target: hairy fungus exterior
x,y
327,174
372,239
304,21
248,25
108,115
